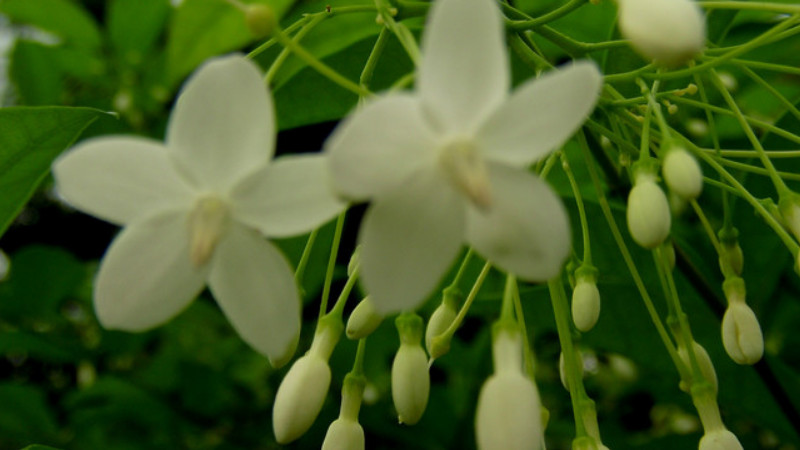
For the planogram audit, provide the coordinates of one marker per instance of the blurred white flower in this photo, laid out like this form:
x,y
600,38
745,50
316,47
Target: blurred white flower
x,y
447,163
192,210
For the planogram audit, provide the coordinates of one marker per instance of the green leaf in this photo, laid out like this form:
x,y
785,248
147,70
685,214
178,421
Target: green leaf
x,y
135,25
201,29
25,415
63,18
30,138
36,74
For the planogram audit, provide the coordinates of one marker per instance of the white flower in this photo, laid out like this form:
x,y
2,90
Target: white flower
x,y
193,209
447,163
667,31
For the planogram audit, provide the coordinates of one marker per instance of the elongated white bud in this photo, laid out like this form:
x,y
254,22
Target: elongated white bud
x,y
411,381
344,434
741,334
363,320
300,397
682,173
440,320
669,32
648,215
720,439
585,304
703,360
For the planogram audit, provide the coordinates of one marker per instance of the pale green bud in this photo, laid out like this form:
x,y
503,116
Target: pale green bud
x,y
648,215
587,443
703,360
260,19
670,32
440,320
363,320
720,439
344,434
682,173
741,334
411,381
300,397
508,415
585,304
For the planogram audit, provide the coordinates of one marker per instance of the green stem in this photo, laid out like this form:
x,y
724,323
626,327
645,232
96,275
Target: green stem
x,y
707,226
284,54
358,364
563,10
753,6
301,266
341,301
326,288
462,313
587,248
372,61
461,270
526,345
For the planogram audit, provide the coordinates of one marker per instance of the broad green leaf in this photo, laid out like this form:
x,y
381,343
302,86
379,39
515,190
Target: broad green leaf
x,y
135,25
200,29
30,138
65,19
36,73
25,415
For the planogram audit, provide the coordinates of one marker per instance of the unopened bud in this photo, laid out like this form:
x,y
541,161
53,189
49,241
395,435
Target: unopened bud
x,y
344,434
410,379
731,258
648,213
300,397
670,32
363,320
508,415
587,443
720,439
682,173
703,361
585,304
741,334
440,320
260,19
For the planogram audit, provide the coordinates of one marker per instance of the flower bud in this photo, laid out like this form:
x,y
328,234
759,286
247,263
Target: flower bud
x,y
260,19
344,434
648,213
300,397
682,173
720,439
703,360
741,334
585,304
410,379
669,32
508,415
363,320
731,258
440,320
587,443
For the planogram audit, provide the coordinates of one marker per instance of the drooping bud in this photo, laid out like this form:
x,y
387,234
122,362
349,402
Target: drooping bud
x,y
720,439
741,334
648,215
344,434
303,390
585,304
410,379
260,19
508,415
703,361
682,173
363,320
669,32
442,317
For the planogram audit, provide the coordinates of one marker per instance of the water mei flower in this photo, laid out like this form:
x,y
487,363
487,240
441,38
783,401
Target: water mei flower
x,y
446,164
193,209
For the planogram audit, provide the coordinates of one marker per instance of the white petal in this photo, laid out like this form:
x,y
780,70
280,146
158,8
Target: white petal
x,y
146,277
223,125
464,72
379,146
526,230
288,197
255,288
541,115
409,238
119,179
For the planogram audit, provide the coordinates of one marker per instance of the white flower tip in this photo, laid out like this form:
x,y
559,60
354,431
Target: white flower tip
x,y
741,334
720,439
300,397
344,434
410,383
669,32
648,214
508,415
682,173
585,305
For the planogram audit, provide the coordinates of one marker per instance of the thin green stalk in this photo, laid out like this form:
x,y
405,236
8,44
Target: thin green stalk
x,y
462,313
284,54
301,266
561,11
461,270
753,6
526,345
757,170
706,226
587,248
763,83
341,301
326,288
374,56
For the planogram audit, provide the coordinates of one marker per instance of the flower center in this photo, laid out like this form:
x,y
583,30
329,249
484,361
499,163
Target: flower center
x,y
464,167
207,222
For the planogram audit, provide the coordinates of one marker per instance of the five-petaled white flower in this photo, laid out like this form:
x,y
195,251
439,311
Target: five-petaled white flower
x,y
193,209
448,163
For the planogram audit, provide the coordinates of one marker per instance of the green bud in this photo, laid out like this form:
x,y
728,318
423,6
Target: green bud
x,y
703,360
410,379
344,434
363,320
648,215
741,334
682,173
440,320
585,304
260,20
720,439
300,397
